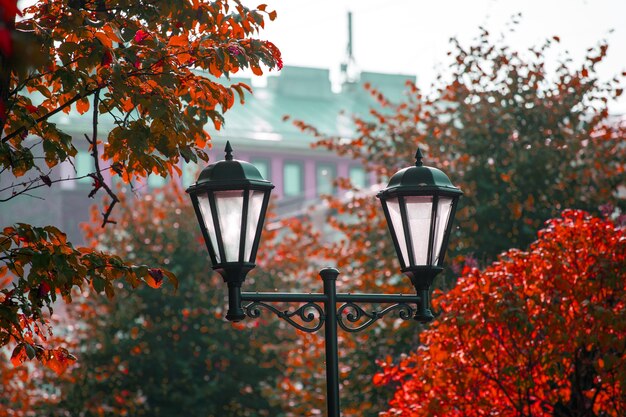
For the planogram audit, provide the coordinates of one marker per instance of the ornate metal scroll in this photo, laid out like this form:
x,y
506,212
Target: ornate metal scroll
x,y
306,313
355,314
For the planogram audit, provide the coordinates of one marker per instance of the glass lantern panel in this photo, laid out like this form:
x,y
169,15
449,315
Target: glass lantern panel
x,y
396,221
207,218
254,213
229,211
441,223
419,211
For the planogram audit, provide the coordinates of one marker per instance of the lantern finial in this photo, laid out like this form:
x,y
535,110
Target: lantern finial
x,y
418,158
229,151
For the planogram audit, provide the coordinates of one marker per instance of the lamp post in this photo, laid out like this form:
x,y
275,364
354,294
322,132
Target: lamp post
x,y
230,199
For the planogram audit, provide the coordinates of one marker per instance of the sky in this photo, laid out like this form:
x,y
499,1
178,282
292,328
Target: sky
x,y
412,36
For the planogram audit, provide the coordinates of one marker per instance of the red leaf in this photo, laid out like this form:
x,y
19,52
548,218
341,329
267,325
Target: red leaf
x,y
107,58
9,10
58,360
140,36
19,355
154,278
44,288
6,43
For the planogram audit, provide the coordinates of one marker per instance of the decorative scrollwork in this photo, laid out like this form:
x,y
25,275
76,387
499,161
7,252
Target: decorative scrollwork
x,y
355,314
309,313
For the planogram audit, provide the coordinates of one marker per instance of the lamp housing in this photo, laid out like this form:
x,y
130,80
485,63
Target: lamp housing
x,y
230,199
419,205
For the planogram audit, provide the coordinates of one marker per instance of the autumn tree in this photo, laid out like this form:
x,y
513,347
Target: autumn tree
x,y
537,333
522,141
149,66
163,353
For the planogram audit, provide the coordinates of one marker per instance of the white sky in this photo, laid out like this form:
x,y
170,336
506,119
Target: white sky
x,y
412,36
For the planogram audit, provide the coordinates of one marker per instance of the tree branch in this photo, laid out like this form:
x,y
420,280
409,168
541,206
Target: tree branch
x,y
51,113
94,153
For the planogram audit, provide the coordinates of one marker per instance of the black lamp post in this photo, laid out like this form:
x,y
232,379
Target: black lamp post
x,y
230,199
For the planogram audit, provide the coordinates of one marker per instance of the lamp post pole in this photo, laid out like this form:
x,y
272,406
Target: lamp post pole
x,y
317,310
230,199
329,276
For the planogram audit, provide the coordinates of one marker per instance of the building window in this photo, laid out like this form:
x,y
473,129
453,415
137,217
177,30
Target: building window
x,y
293,179
83,162
263,165
325,176
358,177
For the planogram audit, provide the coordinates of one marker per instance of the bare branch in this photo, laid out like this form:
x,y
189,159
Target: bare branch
x,y
94,153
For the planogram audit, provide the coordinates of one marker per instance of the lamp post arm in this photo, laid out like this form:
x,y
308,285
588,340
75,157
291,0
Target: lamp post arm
x,y
319,297
316,309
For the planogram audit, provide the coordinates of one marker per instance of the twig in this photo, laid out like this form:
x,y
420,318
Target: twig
x,y
94,153
35,183
51,113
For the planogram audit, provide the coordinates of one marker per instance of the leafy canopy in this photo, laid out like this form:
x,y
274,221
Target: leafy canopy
x,y
537,333
149,70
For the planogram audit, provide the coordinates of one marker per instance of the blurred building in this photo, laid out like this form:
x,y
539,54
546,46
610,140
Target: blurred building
x,y
258,133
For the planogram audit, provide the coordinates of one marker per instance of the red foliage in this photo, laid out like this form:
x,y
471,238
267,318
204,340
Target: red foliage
x,y
537,333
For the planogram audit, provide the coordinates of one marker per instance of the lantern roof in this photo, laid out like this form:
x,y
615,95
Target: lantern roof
x,y
229,173
419,178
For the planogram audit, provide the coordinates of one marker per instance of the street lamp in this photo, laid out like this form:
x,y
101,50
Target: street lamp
x,y
419,204
230,199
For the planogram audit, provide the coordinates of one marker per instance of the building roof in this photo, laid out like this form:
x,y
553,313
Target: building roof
x,y
304,94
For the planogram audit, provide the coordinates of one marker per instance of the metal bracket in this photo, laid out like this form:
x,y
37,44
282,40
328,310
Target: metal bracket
x,y
354,314
308,313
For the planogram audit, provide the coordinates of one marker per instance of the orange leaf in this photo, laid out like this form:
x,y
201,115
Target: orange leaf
x,y
58,360
180,40
102,37
154,278
19,355
82,105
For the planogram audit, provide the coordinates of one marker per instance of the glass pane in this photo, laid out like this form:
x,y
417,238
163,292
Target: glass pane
x,y
292,179
263,166
358,177
205,209
419,211
325,174
229,211
396,222
443,215
254,212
